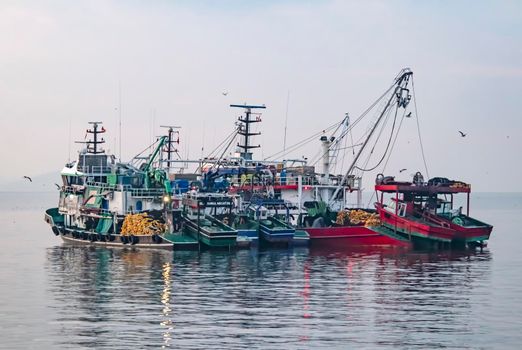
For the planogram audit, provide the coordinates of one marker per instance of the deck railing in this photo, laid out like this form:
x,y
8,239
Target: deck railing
x,y
94,169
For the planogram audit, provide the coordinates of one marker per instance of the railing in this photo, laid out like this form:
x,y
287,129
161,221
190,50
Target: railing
x,y
96,212
102,185
94,169
434,219
279,181
135,192
353,183
142,192
73,189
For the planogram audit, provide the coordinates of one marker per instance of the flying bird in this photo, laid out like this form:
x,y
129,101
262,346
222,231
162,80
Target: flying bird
x,y
462,134
408,115
28,178
400,171
224,93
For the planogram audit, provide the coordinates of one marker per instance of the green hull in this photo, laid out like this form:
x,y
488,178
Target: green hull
x,y
213,242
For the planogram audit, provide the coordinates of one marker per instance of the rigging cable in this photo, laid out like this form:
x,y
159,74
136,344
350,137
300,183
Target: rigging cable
x,y
218,147
394,140
344,153
418,127
389,154
148,147
381,130
387,146
218,161
302,142
306,140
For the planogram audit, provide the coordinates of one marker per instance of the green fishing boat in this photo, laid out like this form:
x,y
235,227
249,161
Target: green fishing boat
x,y
203,226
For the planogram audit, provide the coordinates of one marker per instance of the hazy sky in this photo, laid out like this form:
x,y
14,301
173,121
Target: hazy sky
x,y
61,63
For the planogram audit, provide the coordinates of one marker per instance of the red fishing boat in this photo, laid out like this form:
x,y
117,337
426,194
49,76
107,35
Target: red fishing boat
x,y
426,211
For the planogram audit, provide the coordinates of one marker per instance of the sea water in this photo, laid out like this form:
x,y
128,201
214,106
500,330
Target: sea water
x,y
54,296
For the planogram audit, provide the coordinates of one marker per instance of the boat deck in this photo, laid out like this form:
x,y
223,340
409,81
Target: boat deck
x,y
181,241
383,230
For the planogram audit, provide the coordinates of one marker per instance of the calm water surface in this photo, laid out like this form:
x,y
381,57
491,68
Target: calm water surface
x,y
59,297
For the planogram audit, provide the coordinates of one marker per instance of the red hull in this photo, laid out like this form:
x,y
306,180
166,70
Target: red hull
x,y
350,236
446,231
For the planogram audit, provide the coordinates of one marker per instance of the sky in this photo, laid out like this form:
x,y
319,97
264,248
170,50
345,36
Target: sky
x,y
65,63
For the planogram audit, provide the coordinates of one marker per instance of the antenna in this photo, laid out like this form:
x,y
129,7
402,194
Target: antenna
x,y
69,143
286,118
119,111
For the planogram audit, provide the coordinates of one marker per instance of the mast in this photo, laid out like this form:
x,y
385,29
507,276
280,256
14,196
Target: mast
x,y
245,129
94,145
170,149
401,94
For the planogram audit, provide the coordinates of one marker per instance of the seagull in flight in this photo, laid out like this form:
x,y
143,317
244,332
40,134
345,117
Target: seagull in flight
x,y
462,134
400,171
28,178
408,115
224,93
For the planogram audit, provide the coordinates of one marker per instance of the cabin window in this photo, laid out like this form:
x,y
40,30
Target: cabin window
x,y
391,206
402,209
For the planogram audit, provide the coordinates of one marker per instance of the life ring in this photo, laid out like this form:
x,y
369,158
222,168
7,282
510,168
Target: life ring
x,y
225,220
93,237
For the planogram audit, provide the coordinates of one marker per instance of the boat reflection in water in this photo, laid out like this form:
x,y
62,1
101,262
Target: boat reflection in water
x,y
165,300
105,298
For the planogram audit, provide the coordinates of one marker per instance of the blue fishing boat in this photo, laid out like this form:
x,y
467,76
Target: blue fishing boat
x,y
271,229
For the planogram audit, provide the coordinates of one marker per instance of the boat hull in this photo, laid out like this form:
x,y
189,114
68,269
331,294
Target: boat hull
x,y
275,235
446,232
350,236
81,237
211,239
247,237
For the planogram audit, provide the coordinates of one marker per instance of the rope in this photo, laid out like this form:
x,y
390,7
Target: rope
x,y
387,146
368,157
394,140
337,125
418,128
233,135
301,143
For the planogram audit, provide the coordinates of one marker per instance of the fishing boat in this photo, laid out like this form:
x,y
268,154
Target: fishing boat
x,y
303,188
100,197
425,211
247,230
245,224
272,230
200,211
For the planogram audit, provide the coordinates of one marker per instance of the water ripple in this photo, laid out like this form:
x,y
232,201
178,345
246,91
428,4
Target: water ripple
x,y
297,299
